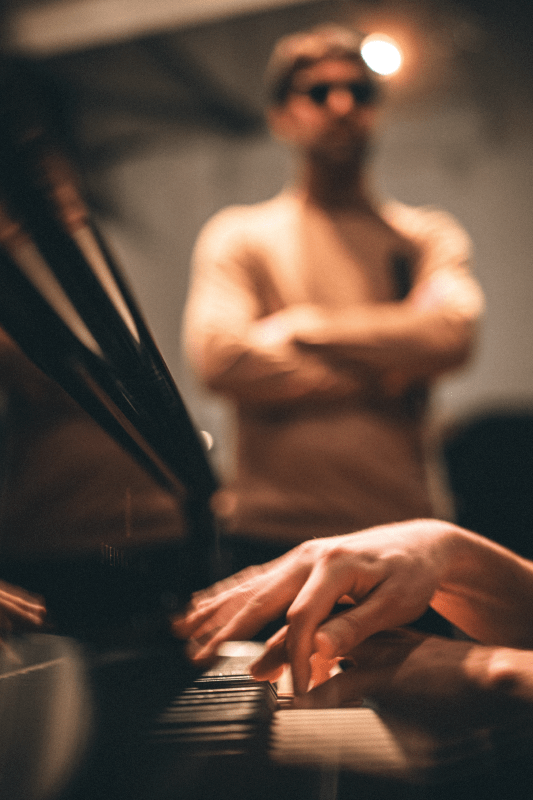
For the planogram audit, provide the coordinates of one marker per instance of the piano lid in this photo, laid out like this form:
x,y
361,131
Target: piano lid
x,y
103,470
67,304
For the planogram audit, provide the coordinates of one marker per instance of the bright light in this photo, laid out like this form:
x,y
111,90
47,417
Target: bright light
x,y
382,54
208,439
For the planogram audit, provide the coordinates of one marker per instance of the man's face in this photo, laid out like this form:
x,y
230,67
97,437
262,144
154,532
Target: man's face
x,y
328,112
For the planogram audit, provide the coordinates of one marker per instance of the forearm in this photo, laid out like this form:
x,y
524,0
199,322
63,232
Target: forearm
x,y
252,372
429,332
393,336
486,590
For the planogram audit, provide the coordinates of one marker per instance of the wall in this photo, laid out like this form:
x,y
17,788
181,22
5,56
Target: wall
x,y
463,145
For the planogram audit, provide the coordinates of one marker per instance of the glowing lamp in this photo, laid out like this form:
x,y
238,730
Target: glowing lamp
x,y
382,54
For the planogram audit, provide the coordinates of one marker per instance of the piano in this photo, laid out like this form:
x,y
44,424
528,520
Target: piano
x,y
105,512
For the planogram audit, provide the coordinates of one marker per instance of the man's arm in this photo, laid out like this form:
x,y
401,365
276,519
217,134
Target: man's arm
x,y
429,332
224,337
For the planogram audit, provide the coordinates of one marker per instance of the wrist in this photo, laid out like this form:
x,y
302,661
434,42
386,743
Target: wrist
x,y
454,552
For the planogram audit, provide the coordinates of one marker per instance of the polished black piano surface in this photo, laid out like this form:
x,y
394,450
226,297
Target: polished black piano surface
x,y
105,495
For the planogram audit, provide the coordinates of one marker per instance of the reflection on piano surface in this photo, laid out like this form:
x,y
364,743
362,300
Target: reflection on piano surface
x,y
105,512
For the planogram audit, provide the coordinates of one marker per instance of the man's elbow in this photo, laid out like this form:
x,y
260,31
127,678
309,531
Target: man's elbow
x,y
211,374
461,354
457,349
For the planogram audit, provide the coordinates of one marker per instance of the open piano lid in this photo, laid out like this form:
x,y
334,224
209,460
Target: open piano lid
x,y
105,485
64,301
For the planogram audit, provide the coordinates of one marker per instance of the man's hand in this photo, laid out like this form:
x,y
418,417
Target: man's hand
x,y
387,574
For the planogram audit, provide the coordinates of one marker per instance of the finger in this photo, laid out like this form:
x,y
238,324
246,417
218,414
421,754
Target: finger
x,y
328,581
268,599
196,619
277,637
382,609
272,661
322,669
192,650
244,624
23,600
271,664
206,604
21,612
218,604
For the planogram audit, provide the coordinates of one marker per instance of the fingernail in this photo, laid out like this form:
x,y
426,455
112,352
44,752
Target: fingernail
x,y
197,651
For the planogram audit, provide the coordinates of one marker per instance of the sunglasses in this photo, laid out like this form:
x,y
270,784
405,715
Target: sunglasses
x,y
364,93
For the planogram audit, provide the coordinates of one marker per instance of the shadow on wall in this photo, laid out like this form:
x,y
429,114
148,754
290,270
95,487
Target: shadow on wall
x,y
490,471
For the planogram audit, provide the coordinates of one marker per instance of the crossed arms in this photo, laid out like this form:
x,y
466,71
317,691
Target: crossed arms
x,y
303,350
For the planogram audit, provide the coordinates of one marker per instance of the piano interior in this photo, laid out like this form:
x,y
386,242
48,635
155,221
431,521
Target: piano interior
x,y
105,512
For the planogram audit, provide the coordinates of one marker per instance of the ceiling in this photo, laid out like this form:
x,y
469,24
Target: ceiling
x,y
122,70
62,26
43,28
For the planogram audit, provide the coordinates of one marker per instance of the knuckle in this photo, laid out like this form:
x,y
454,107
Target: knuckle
x,y
306,550
296,613
333,555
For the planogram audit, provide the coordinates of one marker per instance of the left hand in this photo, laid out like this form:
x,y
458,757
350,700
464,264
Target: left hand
x,y
441,684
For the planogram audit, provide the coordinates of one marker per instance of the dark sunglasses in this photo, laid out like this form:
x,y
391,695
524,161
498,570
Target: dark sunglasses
x,y
364,93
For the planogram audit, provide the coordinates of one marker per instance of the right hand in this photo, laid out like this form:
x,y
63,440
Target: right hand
x,y
389,574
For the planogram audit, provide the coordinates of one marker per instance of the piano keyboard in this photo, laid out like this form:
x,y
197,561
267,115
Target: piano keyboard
x,y
222,737
232,730
222,715
353,739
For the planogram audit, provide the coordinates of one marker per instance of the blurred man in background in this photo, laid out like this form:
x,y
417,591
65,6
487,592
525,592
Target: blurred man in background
x,y
324,315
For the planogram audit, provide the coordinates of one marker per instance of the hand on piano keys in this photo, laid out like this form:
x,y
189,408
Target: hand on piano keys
x,y
384,578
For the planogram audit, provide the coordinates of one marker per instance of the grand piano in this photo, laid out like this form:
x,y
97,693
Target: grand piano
x,y
105,512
